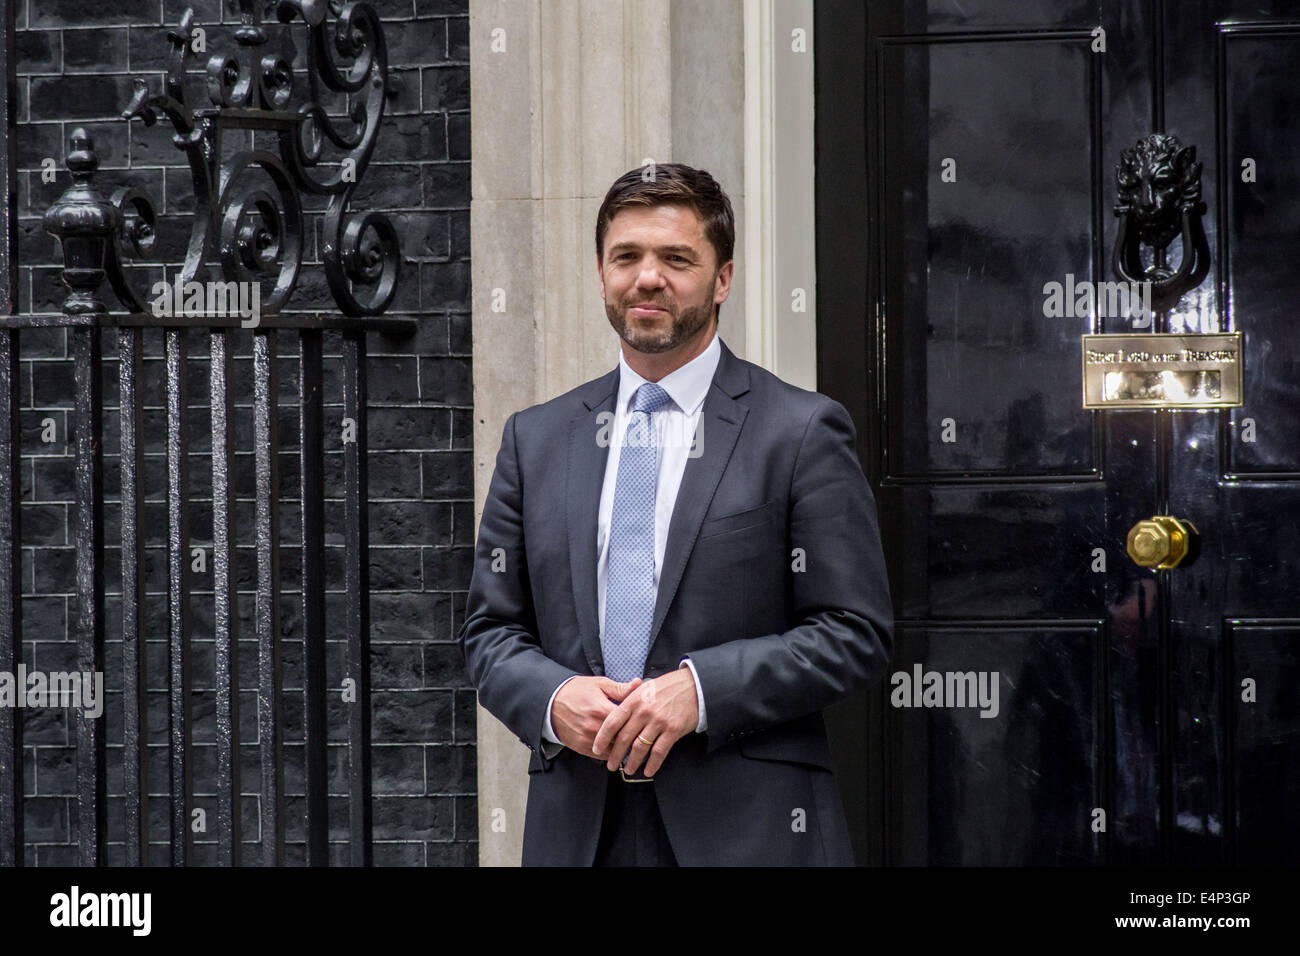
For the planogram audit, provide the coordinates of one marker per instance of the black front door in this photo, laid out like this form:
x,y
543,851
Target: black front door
x,y
1050,701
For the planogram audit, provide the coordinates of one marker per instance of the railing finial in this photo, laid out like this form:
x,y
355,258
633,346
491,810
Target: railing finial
x,y
84,223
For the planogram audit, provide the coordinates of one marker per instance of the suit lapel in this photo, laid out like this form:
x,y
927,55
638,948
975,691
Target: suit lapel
x,y
719,426
589,437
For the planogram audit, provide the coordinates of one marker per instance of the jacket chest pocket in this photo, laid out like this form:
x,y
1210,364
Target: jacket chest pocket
x,y
739,520
729,546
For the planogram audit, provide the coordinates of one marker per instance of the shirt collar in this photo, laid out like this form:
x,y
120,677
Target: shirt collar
x,y
686,386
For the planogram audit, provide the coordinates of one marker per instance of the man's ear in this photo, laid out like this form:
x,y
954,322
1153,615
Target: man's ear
x,y
600,274
724,282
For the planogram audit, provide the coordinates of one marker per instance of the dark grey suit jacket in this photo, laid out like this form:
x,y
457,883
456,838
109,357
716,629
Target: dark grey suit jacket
x,y
773,582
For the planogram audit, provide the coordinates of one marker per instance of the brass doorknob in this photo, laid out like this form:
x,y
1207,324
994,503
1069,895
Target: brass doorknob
x,y
1160,542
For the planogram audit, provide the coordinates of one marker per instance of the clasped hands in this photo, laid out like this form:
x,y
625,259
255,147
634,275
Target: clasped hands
x,y
604,719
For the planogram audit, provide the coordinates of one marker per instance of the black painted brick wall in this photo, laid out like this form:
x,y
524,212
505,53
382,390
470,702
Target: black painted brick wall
x,y
76,59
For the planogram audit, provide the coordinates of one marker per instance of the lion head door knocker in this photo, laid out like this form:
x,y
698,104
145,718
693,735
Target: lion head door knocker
x,y
1158,183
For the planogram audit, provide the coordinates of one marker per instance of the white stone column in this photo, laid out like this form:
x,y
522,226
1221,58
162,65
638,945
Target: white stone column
x,y
566,95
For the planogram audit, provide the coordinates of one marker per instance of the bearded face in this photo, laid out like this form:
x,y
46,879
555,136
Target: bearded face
x,y
659,331
659,277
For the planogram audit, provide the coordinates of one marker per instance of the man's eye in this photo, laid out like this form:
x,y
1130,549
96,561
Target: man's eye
x,y
629,255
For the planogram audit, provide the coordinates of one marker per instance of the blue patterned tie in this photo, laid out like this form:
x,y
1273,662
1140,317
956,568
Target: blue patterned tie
x,y
629,576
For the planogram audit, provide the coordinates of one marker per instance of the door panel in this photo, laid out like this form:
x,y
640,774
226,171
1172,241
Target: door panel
x,y
999,552
1032,765
1257,79
966,234
920,16
1264,745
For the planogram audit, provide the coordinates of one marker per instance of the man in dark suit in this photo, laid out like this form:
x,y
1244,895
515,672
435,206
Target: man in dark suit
x,y
677,568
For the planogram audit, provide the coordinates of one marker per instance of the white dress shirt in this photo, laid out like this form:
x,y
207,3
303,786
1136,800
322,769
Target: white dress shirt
x,y
674,426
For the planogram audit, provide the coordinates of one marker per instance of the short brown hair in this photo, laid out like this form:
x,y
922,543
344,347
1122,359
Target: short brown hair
x,y
664,184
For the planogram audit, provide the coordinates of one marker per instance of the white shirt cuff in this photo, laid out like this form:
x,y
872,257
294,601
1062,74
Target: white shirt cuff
x,y
702,725
548,732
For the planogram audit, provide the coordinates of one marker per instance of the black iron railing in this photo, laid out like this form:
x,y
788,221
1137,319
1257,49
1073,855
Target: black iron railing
x,y
246,239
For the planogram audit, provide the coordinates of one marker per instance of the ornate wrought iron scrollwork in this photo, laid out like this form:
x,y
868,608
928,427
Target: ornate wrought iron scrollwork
x,y
256,233
1158,183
